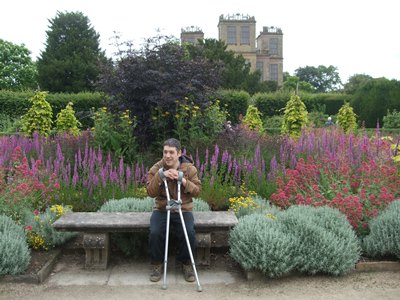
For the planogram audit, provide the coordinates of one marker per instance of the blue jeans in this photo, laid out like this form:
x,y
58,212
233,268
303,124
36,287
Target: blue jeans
x,y
158,224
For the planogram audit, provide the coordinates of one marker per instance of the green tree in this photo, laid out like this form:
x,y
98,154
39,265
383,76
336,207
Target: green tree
x,y
72,58
236,71
322,78
295,116
17,70
374,98
294,84
355,82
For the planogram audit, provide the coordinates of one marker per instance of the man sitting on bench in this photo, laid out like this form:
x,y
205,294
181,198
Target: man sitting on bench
x,y
172,163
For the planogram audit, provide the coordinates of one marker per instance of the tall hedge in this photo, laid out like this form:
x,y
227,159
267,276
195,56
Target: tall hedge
x,y
270,104
374,98
235,102
15,104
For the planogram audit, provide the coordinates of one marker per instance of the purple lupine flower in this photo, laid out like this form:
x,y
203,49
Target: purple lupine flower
x,y
197,159
212,181
214,158
206,159
79,158
230,163
121,167
103,176
293,161
59,154
99,155
263,166
273,169
128,175
225,156
257,155
201,171
144,172
75,177
86,155
68,174
137,173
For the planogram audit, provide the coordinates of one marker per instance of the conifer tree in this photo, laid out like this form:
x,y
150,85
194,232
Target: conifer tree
x,y
71,60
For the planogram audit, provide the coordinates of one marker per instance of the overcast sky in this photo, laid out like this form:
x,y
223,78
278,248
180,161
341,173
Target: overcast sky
x,y
356,36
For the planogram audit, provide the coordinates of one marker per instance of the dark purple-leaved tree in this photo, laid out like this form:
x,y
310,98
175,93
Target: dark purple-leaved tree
x,y
152,79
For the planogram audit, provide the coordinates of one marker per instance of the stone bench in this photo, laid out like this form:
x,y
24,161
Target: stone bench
x,y
212,230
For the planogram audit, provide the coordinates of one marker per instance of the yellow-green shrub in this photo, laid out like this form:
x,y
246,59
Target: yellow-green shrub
x,y
66,121
39,116
347,118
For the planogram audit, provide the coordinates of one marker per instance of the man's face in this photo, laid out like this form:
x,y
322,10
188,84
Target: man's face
x,y
171,156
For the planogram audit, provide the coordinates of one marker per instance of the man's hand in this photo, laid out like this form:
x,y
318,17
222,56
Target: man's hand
x,y
174,175
171,174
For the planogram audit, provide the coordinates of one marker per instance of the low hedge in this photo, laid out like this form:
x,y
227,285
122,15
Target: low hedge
x,y
15,104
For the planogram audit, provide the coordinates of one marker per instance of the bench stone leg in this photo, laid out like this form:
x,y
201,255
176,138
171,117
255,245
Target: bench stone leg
x,y
203,248
97,249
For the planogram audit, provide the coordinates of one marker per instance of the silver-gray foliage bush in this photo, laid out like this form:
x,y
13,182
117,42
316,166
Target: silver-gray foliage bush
x,y
326,242
143,205
258,242
384,237
311,240
14,250
128,205
136,244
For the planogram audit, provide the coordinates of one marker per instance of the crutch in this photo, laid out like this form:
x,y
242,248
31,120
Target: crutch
x,y
176,204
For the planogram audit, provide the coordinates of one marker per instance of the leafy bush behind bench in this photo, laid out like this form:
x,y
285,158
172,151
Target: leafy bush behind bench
x,y
136,244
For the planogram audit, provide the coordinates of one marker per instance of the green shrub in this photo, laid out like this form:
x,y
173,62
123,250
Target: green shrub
x,y
39,116
115,134
347,118
67,122
273,122
311,240
384,237
39,230
326,242
294,117
235,102
14,250
252,119
136,244
392,119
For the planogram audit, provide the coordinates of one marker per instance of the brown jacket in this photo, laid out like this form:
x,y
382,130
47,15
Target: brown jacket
x,y
156,187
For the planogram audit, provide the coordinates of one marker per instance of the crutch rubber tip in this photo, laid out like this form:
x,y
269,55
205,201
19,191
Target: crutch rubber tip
x,y
164,287
199,289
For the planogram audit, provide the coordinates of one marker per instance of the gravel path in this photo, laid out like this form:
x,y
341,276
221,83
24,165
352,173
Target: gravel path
x,y
357,285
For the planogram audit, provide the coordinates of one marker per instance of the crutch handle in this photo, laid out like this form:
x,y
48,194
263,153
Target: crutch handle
x,y
161,173
180,177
